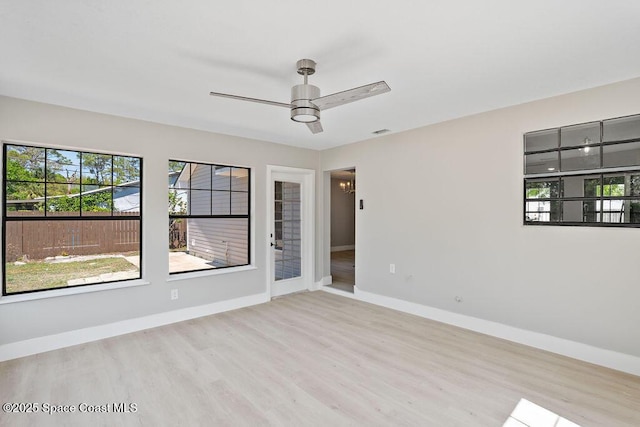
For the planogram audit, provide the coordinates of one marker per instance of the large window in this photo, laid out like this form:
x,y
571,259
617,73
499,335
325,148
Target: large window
x,y
587,174
209,223
71,218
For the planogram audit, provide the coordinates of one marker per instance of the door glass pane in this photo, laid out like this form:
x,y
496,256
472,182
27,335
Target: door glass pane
x,y
287,226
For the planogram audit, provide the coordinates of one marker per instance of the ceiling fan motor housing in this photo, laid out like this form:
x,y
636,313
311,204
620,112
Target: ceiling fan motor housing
x,y
302,109
306,101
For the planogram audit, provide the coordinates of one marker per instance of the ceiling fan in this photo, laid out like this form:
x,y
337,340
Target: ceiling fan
x,y
306,102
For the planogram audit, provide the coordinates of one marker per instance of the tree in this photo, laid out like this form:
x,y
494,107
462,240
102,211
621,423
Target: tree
x,y
125,169
25,171
32,159
98,201
64,204
177,204
96,168
176,166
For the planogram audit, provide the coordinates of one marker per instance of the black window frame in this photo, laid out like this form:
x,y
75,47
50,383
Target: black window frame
x,y
231,191
80,217
601,171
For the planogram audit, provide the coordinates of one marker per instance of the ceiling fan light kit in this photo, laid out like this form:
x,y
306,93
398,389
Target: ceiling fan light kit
x,y
302,109
306,102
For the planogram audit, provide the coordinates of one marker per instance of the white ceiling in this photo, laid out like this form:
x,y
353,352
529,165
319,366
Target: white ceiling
x,y
158,59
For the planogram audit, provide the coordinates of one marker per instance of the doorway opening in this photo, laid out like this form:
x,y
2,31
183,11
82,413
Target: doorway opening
x,y
343,229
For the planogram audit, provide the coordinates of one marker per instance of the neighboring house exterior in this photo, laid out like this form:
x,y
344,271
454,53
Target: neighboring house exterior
x,y
223,241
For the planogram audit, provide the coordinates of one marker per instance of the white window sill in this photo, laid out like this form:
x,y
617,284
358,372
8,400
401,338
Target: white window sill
x,y
212,272
54,293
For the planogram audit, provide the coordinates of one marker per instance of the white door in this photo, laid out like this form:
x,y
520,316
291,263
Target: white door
x,y
290,230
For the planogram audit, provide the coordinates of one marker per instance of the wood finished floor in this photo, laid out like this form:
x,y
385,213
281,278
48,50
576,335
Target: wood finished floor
x,y
343,272
314,359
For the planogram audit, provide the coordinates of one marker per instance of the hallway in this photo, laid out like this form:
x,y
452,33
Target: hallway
x,y
343,270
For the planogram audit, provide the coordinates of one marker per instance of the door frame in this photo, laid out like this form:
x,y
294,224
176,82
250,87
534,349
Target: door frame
x,y
308,224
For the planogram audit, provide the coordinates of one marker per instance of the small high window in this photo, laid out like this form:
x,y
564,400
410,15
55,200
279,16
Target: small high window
x,y
587,174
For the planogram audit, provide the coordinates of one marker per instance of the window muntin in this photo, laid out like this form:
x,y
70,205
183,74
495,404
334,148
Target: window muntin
x,y
72,218
209,226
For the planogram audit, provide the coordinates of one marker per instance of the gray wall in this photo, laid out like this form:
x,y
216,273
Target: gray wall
x,y
51,125
343,224
452,224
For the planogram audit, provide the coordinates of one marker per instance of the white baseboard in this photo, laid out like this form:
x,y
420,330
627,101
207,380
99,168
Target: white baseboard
x,y
342,293
343,248
599,356
81,336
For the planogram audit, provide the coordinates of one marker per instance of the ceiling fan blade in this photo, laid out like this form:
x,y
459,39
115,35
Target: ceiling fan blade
x,y
244,98
351,95
315,127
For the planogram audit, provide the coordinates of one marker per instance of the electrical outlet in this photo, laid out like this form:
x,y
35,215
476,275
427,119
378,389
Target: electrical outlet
x,y
174,294
392,268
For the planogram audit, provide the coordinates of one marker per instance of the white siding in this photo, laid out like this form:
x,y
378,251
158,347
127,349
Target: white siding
x,y
221,240
224,241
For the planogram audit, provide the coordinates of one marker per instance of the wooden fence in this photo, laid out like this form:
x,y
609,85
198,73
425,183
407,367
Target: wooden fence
x,y
47,238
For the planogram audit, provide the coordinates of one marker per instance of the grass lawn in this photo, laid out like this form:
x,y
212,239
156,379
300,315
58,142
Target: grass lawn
x,y
36,275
